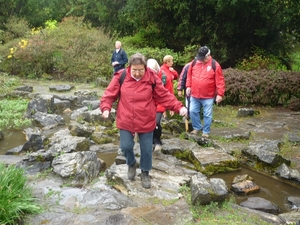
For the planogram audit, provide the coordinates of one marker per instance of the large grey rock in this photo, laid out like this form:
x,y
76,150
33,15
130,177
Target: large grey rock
x,y
267,152
80,130
204,190
45,120
244,112
42,103
35,139
83,166
261,204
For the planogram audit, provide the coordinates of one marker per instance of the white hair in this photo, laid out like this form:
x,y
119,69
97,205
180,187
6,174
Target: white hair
x,y
153,64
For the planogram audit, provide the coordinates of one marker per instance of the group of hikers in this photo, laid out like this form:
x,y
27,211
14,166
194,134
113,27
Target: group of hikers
x,y
145,92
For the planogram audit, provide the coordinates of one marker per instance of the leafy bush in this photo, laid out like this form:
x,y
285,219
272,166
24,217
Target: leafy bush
x,y
15,28
8,83
263,87
260,60
15,198
155,53
11,113
73,51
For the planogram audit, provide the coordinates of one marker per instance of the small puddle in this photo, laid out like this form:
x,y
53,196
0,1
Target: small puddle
x,y
272,189
13,138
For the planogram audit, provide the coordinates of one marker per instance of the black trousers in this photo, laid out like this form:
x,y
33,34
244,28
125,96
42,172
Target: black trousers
x,y
157,130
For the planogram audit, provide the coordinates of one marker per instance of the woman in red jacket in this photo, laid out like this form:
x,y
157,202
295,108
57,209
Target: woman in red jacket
x,y
171,75
138,94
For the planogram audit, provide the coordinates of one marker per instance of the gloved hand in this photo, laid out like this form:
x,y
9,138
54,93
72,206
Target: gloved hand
x,y
183,111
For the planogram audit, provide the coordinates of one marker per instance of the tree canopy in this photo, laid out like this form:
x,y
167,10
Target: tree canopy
x,y
233,29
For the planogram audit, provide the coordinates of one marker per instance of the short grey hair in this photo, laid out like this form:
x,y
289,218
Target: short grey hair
x,y
137,59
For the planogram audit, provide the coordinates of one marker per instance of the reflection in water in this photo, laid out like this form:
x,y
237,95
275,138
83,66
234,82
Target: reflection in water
x,y
272,189
12,138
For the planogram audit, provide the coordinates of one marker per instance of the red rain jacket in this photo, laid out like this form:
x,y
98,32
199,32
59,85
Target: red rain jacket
x,y
136,108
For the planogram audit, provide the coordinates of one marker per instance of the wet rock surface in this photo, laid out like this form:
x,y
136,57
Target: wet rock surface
x,y
110,198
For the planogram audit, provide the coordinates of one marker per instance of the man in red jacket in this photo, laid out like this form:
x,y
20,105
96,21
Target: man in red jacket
x,y
138,95
205,86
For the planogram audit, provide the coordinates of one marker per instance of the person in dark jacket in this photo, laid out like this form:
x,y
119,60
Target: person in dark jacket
x,y
136,112
119,57
182,82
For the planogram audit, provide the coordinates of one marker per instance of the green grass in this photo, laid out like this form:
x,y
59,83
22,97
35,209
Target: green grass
x,y
16,200
11,113
8,83
219,213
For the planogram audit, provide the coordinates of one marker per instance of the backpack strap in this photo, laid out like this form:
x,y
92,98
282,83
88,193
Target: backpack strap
x,y
122,77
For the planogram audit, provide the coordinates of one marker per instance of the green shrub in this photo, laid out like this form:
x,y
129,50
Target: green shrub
x,y
155,53
16,199
262,87
7,83
73,51
15,28
11,113
260,60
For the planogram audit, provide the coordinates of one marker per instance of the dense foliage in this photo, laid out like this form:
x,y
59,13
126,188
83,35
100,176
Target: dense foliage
x,y
72,51
16,199
262,87
232,29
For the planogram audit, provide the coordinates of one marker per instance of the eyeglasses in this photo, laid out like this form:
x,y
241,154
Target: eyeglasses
x,y
136,70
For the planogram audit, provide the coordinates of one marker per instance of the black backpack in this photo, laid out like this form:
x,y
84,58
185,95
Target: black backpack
x,y
122,78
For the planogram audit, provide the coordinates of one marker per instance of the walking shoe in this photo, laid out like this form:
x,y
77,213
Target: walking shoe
x,y
146,182
132,171
157,148
195,131
205,135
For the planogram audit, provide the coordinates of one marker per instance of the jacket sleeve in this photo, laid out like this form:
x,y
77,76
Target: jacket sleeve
x,y
163,97
111,93
189,77
184,76
175,74
124,57
220,81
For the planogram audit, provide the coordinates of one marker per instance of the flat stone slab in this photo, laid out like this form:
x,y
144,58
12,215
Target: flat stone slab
x,y
11,159
61,87
212,156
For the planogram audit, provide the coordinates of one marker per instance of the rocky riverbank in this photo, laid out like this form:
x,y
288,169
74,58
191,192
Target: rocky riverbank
x,y
83,196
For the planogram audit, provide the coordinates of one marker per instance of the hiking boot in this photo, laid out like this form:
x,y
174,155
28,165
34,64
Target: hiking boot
x,y
157,148
205,135
132,171
195,131
146,182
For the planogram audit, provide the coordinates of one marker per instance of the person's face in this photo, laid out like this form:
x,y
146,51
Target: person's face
x,y
118,45
137,71
170,63
205,60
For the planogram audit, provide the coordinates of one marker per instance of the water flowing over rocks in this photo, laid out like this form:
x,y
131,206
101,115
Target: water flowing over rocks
x,y
101,194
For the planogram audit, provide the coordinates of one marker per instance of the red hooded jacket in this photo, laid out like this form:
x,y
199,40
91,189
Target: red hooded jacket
x,y
204,81
136,108
169,84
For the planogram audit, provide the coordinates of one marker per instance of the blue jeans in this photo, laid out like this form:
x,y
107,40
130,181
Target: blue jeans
x,y
195,108
127,144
